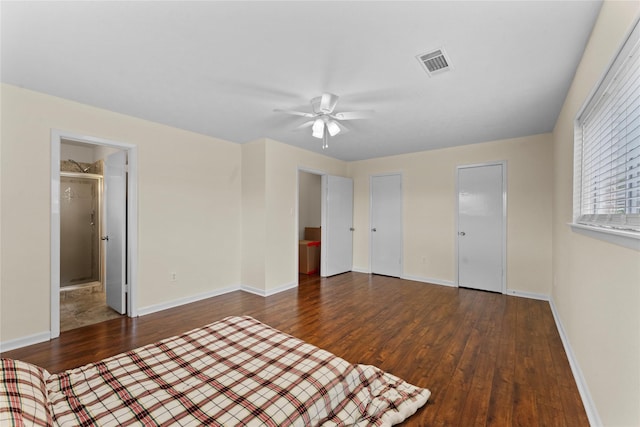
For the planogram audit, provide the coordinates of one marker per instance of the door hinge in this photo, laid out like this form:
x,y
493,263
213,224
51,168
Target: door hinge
x,y
126,288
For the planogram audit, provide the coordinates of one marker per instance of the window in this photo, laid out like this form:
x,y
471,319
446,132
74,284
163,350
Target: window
x,y
607,146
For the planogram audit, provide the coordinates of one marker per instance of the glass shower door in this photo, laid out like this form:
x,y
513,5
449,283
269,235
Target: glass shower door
x,y
79,230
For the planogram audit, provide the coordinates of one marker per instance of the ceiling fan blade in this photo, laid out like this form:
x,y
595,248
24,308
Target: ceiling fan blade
x,y
353,115
328,102
295,113
305,125
342,126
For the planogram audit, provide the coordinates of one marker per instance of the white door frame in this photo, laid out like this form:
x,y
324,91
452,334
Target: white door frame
x,y
132,220
502,163
371,219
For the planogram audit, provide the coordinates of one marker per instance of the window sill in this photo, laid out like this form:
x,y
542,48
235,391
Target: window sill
x,y
628,239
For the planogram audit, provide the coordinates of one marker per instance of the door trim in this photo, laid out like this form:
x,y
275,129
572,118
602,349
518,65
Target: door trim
x,y
502,163
132,220
401,218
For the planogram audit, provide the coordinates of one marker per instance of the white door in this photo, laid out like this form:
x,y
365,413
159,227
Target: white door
x,y
386,225
337,225
115,190
481,227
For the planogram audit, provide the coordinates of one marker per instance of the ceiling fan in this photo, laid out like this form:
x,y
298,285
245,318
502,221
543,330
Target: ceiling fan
x,y
324,122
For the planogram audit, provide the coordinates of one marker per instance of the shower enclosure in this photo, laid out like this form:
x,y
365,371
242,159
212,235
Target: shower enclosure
x,y
80,219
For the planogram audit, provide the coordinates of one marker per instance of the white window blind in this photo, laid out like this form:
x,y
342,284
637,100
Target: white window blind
x,y
608,146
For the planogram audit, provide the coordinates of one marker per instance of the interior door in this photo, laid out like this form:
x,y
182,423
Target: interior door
x,y
115,182
386,225
481,227
337,225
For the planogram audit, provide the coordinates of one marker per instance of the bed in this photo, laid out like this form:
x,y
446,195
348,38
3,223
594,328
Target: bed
x,y
234,372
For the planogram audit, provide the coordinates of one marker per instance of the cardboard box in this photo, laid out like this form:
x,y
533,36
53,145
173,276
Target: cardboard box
x,y
309,257
312,233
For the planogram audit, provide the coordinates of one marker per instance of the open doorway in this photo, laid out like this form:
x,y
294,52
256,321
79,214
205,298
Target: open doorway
x,y
83,269
82,248
309,224
327,201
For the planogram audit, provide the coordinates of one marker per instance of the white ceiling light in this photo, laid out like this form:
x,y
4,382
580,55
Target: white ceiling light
x,y
333,128
318,128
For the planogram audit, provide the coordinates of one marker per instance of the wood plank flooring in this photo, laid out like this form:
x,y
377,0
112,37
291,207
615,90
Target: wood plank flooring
x,y
488,359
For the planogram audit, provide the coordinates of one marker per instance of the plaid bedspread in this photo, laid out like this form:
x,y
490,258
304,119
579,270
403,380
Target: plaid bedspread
x,y
235,372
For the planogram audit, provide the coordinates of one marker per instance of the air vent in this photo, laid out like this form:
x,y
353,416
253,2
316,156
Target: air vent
x,y
435,62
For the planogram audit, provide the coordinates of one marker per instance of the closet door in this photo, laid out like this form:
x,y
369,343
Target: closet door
x,y
481,227
386,225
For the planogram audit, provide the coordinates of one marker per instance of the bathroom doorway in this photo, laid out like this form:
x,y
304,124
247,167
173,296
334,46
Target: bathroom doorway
x,y
82,285
82,274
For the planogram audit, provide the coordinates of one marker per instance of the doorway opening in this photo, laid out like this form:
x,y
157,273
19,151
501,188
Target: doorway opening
x,y
82,296
81,213
309,224
336,220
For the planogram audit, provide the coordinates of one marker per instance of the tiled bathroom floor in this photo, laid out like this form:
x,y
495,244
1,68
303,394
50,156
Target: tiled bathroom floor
x,y
81,307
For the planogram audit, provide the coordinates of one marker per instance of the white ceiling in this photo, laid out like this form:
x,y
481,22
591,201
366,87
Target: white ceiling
x,y
220,68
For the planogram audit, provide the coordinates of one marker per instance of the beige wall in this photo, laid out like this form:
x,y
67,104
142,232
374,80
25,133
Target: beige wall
x,y
270,208
429,192
283,162
189,206
254,227
596,286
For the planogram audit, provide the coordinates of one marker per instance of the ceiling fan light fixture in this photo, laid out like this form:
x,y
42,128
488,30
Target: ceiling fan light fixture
x,y
318,129
333,128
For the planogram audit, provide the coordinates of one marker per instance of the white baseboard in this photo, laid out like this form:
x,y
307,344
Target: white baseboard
x,y
46,336
529,295
583,388
360,270
430,280
269,292
24,341
186,300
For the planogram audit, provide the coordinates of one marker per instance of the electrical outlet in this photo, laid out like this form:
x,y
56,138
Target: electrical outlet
x,y
173,276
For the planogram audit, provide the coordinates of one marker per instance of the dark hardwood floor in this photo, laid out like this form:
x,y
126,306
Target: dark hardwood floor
x,y
488,359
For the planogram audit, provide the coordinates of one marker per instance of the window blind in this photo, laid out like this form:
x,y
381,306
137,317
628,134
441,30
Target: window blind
x,y
608,134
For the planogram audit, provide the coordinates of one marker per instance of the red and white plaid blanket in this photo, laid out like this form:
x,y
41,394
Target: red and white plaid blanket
x,y
235,372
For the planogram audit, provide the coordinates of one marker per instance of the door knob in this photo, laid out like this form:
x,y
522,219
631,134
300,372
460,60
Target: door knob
x,y
104,238
462,233
373,229
351,229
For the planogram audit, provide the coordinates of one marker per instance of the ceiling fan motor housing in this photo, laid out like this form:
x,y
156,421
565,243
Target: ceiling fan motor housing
x,y
324,104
